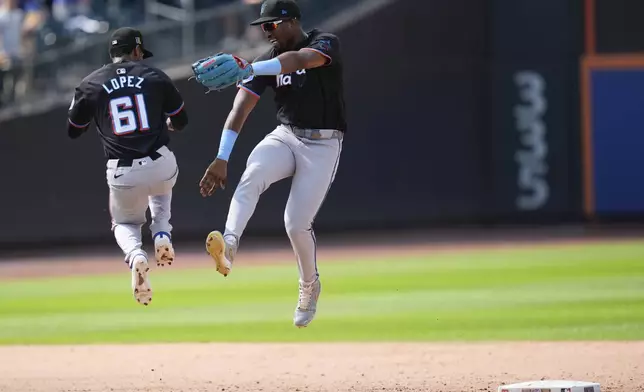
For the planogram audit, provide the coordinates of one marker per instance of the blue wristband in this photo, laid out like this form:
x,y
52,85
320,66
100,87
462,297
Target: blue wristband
x,y
267,67
228,138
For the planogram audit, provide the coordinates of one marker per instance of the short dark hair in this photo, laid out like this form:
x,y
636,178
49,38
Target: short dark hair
x,y
121,51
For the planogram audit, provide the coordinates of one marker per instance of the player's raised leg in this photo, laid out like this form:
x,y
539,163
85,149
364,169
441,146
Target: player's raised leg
x,y
270,161
317,163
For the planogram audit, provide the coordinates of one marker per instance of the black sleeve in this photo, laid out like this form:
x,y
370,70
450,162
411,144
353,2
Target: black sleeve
x,y
257,84
81,110
173,101
173,104
328,45
180,120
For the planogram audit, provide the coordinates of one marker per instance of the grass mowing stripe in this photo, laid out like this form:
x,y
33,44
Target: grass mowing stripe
x,y
591,292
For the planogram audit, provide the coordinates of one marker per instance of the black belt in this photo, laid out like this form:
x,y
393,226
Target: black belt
x,y
127,162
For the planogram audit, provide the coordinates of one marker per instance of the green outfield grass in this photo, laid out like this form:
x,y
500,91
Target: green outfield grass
x,y
577,293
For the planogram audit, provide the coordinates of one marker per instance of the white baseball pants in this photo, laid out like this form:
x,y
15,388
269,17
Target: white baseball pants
x,y
312,164
146,183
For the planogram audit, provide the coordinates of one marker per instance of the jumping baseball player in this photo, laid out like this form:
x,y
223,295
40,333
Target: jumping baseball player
x,y
305,71
134,106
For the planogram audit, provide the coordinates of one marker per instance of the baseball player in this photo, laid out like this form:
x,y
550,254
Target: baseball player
x,y
134,106
304,68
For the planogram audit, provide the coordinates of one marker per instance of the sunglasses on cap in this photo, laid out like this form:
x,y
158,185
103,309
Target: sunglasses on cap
x,y
270,26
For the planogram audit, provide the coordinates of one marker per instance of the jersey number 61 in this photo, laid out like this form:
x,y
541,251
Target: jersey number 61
x,y
124,119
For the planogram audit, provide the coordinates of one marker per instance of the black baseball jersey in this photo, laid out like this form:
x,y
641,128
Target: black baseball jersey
x,y
311,98
129,103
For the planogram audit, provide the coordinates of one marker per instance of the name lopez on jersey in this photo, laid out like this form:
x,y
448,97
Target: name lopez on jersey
x,y
122,82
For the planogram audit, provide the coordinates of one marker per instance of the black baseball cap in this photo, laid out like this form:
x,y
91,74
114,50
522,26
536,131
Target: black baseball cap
x,y
273,10
128,38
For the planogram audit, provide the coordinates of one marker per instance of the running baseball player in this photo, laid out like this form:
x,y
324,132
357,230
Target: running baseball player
x,y
305,71
134,106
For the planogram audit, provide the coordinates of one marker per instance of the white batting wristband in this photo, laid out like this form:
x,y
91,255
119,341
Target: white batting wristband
x,y
228,138
267,67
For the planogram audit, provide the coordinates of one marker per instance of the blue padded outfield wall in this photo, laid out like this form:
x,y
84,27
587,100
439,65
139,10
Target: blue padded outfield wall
x,y
617,138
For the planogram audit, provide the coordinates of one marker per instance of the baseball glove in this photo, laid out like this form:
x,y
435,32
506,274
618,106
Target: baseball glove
x,y
221,70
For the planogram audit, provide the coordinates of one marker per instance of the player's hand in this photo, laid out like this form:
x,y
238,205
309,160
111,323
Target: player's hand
x,y
215,177
169,124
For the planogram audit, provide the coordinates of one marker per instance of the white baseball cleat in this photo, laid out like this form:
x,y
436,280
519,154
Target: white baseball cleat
x,y
163,250
140,283
222,250
307,303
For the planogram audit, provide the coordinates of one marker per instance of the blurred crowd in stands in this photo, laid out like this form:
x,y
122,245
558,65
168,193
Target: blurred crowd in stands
x,y
29,27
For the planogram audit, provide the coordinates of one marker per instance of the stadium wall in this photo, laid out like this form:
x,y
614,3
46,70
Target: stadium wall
x,y
458,113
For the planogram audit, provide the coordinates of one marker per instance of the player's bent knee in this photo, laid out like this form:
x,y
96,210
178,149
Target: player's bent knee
x,y
295,227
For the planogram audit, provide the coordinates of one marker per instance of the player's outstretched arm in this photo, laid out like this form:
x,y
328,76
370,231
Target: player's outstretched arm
x,y
216,174
222,70
293,61
321,52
